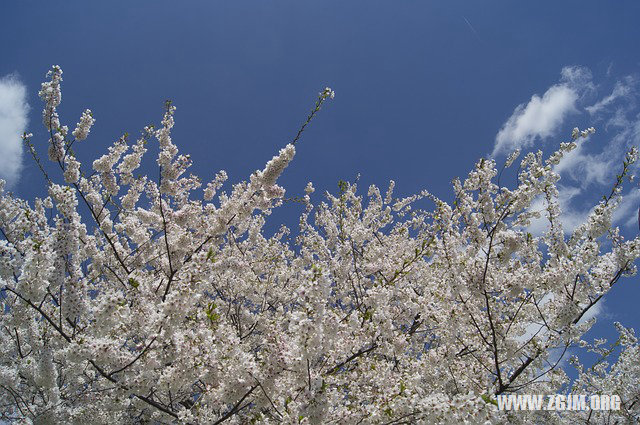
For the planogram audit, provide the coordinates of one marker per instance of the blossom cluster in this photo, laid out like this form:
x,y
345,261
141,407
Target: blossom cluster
x,y
84,126
130,299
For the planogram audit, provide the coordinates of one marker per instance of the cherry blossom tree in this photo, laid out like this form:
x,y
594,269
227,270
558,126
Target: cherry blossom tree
x,y
136,299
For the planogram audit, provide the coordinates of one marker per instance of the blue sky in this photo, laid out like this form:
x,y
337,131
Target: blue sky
x,y
423,89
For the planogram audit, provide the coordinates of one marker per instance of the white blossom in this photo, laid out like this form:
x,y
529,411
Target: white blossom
x,y
276,166
327,93
83,127
129,299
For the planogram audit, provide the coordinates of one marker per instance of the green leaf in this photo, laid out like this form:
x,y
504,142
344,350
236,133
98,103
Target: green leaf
x,y
211,314
487,399
211,256
342,185
368,315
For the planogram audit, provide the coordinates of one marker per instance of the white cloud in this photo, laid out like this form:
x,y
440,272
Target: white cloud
x,y
13,123
591,167
622,89
569,219
537,119
626,214
596,311
586,169
579,78
542,116
627,211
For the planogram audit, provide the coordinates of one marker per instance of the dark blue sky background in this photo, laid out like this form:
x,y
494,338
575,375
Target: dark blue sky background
x,y
422,87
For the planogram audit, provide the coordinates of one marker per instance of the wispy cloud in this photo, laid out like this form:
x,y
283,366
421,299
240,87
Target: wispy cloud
x,y
586,168
627,211
623,89
574,213
13,123
570,219
542,116
591,167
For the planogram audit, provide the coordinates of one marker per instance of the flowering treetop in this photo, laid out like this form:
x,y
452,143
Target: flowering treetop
x,y
130,298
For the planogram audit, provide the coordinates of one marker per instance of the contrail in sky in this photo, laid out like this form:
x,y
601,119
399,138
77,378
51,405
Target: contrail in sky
x,y
472,29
